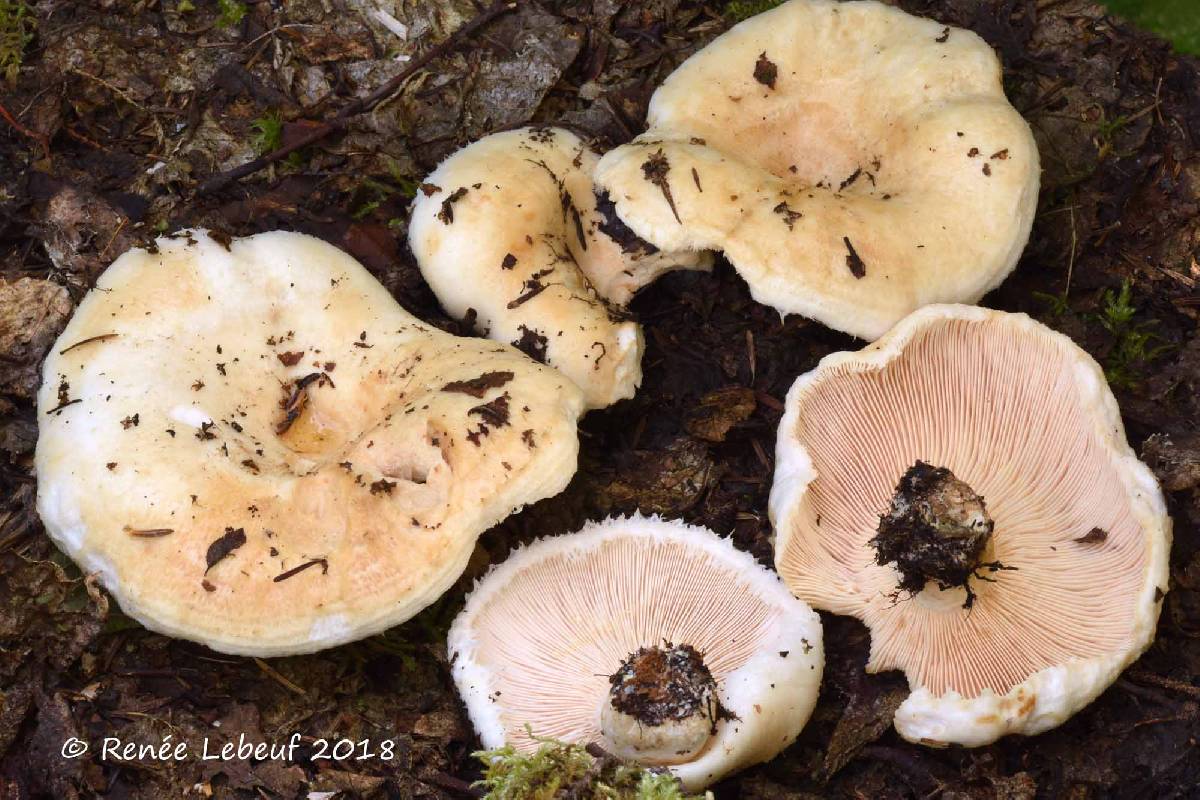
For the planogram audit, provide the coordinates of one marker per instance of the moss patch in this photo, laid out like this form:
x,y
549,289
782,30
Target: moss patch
x,y
1177,20
558,769
16,32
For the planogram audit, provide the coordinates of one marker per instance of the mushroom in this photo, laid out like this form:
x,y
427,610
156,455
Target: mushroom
x,y
964,487
256,448
852,161
658,641
510,234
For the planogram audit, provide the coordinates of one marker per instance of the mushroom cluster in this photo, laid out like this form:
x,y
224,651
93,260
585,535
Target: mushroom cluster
x,y
964,487
660,641
256,448
852,161
512,236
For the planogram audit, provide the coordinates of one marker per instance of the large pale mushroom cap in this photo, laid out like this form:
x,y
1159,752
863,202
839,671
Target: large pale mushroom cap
x,y
1024,417
256,448
854,163
541,633
507,232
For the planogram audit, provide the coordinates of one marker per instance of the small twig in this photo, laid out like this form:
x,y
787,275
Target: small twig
x,y
1071,261
1046,96
452,784
149,533
356,107
79,137
113,238
42,140
274,674
1166,683
101,338
117,90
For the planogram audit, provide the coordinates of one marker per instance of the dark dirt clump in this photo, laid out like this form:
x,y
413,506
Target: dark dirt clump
x,y
661,684
126,106
936,529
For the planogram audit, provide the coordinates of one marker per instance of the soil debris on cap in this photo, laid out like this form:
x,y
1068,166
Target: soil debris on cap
x,y
855,264
149,533
659,684
789,216
532,288
294,404
104,337
446,215
478,387
291,358
494,412
296,570
231,540
1094,536
655,170
765,71
382,486
532,343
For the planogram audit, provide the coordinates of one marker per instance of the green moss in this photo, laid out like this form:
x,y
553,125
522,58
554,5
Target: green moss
x,y
557,767
1134,343
1177,20
739,10
1056,304
370,195
268,133
405,185
16,32
231,13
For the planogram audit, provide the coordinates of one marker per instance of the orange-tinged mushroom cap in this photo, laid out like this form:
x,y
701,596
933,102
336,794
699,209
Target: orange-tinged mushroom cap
x,y
1024,417
256,448
509,231
852,161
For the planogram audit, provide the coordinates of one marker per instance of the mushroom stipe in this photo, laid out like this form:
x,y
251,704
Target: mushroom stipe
x,y
656,684
663,705
936,529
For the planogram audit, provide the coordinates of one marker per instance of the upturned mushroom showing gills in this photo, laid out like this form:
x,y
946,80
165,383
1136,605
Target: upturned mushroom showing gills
x,y
511,235
964,487
658,641
852,161
256,448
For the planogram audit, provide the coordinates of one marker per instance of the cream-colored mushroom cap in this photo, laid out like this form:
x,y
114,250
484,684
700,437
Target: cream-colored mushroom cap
x,y
1076,564
507,232
542,632
854,163
256,448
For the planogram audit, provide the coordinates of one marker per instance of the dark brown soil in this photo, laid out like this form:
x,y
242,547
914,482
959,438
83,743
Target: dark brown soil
x,y
125,106
659,684
936,529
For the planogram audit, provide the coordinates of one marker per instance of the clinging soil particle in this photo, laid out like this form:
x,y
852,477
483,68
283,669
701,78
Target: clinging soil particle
x,y
936,530
661,684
